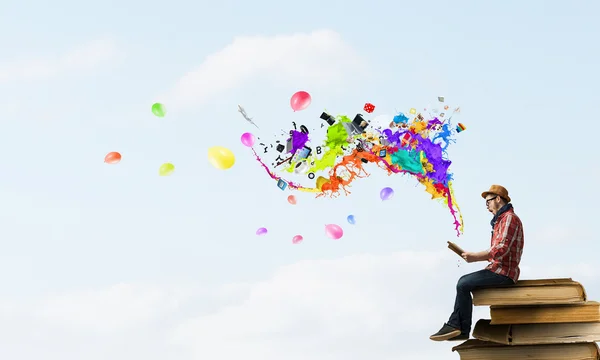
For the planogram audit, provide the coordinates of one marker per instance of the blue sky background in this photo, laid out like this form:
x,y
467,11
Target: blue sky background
x,y
523,73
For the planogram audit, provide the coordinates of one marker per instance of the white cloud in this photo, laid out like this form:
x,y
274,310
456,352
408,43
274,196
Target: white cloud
x,y
582,272
86,57
317,58
120,307
555,234
357,307
352,308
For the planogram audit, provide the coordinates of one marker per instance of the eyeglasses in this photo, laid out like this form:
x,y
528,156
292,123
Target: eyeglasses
x,y
487,201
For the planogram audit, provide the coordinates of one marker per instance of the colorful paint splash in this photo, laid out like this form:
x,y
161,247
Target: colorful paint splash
x,y
411,144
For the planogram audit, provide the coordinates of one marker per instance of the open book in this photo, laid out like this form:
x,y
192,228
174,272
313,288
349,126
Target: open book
x,y
452,246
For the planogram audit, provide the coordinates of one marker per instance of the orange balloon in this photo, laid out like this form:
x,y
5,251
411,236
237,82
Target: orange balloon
x,y
112,158
292,199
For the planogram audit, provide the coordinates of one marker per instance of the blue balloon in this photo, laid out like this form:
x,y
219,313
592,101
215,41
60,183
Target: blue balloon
x,y
351,219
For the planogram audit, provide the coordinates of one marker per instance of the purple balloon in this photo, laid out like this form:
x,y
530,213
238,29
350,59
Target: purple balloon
x,y
261,231
386,193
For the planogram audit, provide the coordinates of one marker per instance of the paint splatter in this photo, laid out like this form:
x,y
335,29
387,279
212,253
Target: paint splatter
x,y
411,145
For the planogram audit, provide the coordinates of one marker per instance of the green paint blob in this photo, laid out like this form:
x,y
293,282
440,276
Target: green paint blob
x,y
408,160
337,136
159,110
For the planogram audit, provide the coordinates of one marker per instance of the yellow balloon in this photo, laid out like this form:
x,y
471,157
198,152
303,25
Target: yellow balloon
x,y
166,169
321,181
220,157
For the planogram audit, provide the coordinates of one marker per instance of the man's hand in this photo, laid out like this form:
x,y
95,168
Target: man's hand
x,y
469,257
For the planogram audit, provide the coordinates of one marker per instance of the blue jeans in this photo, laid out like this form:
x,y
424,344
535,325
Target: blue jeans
x,y
463,305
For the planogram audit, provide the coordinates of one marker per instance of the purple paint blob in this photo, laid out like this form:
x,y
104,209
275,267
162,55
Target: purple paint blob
x,y
299,139
433,152
433,122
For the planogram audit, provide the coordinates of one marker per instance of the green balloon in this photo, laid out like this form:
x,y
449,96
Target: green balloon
x,y
166,169
158,109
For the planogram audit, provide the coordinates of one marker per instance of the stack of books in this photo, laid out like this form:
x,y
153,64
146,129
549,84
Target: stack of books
x,y
545,319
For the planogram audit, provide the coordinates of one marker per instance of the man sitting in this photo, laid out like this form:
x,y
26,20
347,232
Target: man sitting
x,y
504,256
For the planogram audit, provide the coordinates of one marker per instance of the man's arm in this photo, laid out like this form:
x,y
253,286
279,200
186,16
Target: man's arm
x,y
507,234
476,256
481,255
503,238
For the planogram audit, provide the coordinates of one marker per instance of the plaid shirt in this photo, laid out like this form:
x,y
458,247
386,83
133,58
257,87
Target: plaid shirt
x,y
506,246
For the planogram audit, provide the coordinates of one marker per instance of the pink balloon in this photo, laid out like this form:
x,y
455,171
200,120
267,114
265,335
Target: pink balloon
x,y
334,231
248,139
297,239
300,100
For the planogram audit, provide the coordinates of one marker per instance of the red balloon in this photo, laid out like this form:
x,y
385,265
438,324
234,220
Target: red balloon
x,y
300,100
292,199
112,158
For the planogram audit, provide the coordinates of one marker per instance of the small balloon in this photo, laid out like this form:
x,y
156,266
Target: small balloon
x,y
166,169
220,157
386,193
351,219
112,158
297,239
159,110
248,139
261,231
300,100
292,199
334,231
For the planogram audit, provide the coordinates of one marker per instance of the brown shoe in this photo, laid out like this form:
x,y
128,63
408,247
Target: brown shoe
x,y
446,332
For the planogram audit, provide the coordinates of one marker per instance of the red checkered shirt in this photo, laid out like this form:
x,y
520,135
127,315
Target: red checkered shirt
x,y
506,245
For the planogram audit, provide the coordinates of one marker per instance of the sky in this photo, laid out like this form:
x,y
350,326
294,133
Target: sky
x,y
113,261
